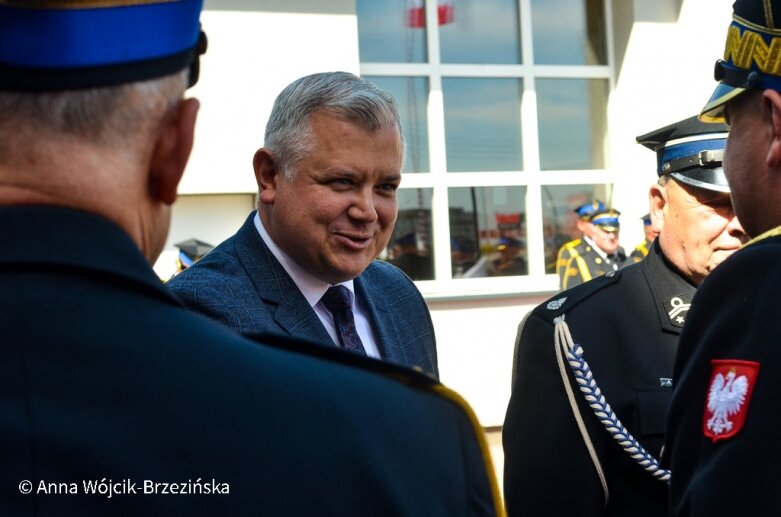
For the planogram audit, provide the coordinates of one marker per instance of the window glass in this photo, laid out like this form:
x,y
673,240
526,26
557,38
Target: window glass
x,y
558,215
484,31
569,32
572,122
482,124
410,245
487,231
389,31
411,94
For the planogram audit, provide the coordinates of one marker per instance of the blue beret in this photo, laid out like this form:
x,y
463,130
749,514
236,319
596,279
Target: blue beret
x,y
51,45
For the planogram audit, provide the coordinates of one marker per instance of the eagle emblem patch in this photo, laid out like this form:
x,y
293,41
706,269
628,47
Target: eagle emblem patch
x,y
729,392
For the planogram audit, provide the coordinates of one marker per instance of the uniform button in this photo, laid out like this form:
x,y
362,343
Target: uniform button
x,y
610,274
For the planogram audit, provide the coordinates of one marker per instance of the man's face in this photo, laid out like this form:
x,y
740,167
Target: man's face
x,y
744,161
586,228
700,229
607,241
337,213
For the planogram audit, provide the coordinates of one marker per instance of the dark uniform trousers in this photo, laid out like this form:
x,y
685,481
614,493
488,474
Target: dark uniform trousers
x,y
623,322
735,317
106,378
579,262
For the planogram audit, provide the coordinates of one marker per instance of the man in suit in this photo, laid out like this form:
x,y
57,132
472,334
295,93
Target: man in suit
x,y
116,399
598,253
610,344
327,178
721,429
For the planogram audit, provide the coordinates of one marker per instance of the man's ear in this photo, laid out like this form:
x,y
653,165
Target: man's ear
x,y
657,199
172,151
266,175
772,100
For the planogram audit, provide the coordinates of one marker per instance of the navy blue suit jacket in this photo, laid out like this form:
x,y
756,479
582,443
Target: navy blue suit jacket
x,y
242,285
104,376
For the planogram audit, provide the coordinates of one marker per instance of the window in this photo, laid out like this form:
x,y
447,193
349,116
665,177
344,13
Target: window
x,y
504,107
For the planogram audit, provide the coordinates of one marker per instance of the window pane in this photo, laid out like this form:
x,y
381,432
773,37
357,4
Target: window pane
x,y
411,94
389,31
410,245
482,32
482,124
572,123
569,32
487,231
559,218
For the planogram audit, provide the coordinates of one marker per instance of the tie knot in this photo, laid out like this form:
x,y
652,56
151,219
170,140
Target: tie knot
x,y
337,298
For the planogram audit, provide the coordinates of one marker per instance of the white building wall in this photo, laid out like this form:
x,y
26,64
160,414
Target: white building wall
x,y
666,49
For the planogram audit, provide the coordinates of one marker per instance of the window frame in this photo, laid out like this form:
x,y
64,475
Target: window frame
x,y
531,176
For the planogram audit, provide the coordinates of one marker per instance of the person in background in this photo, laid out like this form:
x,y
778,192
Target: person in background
x,y
593,365
642,249
327,178
597,254
510,261
577,246
190,252
721,440
116,398
407,257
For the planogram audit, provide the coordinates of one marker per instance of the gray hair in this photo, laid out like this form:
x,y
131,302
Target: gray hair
x,y
288,132
114,116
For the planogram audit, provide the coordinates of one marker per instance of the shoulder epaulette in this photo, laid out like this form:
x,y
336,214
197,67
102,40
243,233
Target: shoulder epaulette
x,y
569,298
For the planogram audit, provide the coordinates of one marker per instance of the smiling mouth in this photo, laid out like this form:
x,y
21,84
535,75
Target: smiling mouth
x,y
354,241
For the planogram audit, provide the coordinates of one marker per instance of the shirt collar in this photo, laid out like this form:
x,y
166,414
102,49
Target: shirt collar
x,y
310,286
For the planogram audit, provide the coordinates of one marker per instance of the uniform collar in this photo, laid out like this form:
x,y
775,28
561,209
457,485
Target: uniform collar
x,y
672,292
770,233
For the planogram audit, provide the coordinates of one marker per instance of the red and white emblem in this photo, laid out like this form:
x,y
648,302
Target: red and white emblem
x,y
729,392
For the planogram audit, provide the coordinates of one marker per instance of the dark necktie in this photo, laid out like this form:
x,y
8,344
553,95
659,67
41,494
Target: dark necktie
x,y
337,300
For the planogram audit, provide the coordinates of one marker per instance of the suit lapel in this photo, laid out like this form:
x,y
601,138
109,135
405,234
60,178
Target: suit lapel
x,y
383,321
279,293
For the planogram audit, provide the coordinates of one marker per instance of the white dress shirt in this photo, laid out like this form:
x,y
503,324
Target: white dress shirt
x,y
313,290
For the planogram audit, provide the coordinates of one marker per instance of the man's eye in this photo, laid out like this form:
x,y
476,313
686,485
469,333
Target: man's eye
x,y
388,187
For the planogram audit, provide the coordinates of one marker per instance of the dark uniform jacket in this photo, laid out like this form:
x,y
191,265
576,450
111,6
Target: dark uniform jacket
x,y
242,285
107,379
579,262
735,324
622,320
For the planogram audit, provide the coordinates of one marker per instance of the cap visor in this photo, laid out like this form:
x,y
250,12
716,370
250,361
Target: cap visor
x,y
714,110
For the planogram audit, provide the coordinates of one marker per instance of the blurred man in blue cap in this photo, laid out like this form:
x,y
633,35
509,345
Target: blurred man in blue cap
x,y
510,261
593,368
117,399
577,246
642,249
725,411
598,253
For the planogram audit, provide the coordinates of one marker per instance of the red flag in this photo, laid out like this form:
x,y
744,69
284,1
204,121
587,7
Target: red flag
x,y
415,13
